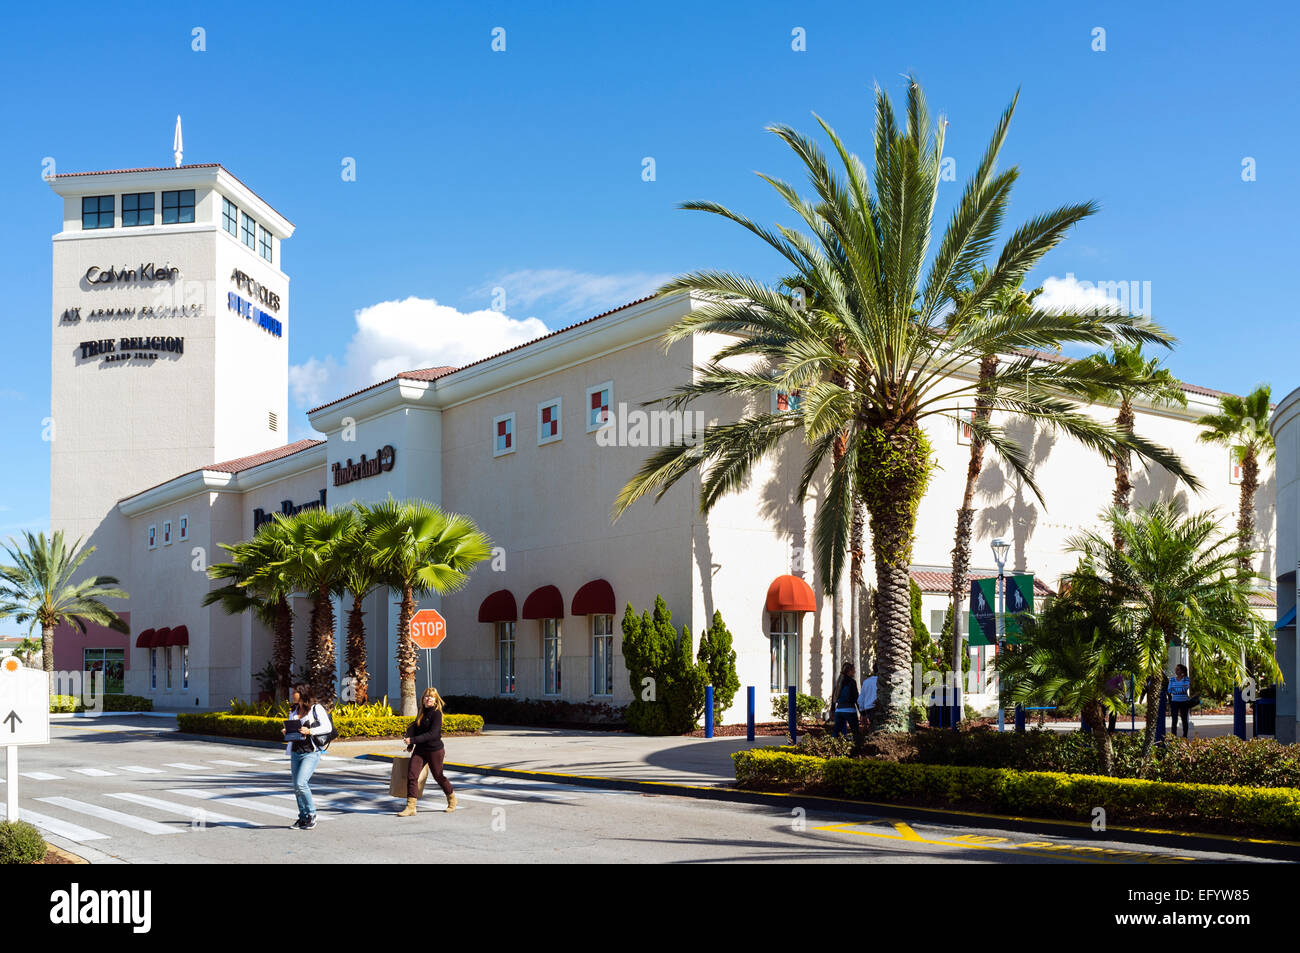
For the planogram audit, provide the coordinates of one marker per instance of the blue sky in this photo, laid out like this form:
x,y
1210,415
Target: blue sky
x,y
522,169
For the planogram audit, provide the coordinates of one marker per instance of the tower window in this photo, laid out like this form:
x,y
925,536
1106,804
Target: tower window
x,y
264,243
97,211
178,207
137,208
248,231
230,216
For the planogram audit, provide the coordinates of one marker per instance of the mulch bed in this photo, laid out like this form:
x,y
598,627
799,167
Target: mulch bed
x,y
767,729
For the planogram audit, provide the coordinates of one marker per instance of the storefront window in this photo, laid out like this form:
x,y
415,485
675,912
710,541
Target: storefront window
x,y
168,661
551,656
506,658
784,635
185,666
153,668
602,655
110,664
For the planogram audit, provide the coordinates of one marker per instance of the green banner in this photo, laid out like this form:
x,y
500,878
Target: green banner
x,y
983,622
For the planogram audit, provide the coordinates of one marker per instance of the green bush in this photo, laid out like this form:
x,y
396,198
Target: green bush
x,y
1259,762
280,709
533,711
672,700
73,703
717,658
348,725
807,707
1227,808
20,843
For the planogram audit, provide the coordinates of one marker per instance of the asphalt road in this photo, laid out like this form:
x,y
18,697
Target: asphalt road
x,y
124,791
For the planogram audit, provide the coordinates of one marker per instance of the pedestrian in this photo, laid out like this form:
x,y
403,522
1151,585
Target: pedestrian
x,y
867,699
846,702
424,741
1180,699
304,752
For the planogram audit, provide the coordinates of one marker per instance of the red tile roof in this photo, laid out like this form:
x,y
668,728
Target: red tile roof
x,y
240,464
1262,597
433,373
930,581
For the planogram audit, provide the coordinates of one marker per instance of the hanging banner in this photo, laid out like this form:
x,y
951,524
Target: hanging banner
x,y
983,621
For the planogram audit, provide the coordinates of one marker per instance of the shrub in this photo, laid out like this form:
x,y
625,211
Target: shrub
x,y
1042,794
74,703
533,711
1260,762
348,725
671,702
807,707
717,658
20,843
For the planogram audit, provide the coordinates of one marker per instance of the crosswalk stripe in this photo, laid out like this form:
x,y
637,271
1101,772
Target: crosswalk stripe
x,y
184,810
95,773
138,769
52,825
235,764
113,817
41,776
242,802
186,766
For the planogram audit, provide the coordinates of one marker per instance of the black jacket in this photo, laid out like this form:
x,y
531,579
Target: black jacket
x,y
426,732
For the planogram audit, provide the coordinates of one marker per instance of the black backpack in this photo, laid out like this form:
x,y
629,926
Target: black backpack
x,y
322,742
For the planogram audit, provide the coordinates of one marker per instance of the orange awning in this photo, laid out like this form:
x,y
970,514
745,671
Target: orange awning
x,y
790,594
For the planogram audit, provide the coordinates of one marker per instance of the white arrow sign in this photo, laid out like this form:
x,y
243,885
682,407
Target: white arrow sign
x,y
24,704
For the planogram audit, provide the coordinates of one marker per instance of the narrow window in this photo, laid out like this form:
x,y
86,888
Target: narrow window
x,y
505,658
602,655
167,532
248,231
185,528
153,537
230,216
784,638
264,243
503,434
548,421
551,656
599,403
153,668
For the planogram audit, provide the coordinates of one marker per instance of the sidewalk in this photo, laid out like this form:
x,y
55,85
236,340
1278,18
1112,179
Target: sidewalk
x,y
671,760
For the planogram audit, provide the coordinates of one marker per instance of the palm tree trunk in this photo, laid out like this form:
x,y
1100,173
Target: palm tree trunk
x,y
283,648
856,582
893,473
1149,734
47,652
357,652
406,661
1246,511
320,653
1096,714
1123,465
838,449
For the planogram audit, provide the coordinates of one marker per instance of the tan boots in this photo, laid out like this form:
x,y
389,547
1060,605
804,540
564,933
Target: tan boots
x,y
410,808
451,802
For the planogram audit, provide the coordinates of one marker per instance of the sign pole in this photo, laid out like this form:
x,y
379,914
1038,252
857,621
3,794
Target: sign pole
x,y
428,670
11,782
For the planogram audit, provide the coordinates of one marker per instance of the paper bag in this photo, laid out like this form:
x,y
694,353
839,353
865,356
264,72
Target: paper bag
x,y
401,770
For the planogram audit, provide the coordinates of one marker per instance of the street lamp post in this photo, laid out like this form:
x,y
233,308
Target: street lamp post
x,y
1000,549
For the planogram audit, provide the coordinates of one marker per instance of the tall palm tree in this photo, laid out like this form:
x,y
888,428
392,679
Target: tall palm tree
x,y
26,650
419,551
37,588
360,578
1171,577
1011,302
864,256
1242,425
257,582
311,552
1151,381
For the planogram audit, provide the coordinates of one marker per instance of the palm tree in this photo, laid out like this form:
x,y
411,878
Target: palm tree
x,y
37,588
1171,577
1157,384
311,552
863,257
258,583
26,650
360,578
1242,425
1012,301
1068,654
419,551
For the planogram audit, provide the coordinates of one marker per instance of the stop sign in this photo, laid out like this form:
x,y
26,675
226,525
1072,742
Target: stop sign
x,y
428,628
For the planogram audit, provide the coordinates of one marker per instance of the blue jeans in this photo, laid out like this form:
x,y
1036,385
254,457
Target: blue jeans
x,y
302,765
844,722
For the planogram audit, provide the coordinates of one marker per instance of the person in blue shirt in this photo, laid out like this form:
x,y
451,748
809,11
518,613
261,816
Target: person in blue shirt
x,y
846,702
1180,699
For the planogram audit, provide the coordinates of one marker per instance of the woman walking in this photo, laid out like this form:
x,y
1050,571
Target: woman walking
x,y
1180,699
424,741
846,702
304,754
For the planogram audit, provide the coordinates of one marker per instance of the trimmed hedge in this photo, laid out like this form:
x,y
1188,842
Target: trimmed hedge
x,y
268,729
73,703
1207,807
21,843
533,711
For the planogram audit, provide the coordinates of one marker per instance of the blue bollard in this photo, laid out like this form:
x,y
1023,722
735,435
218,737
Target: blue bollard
x,y
708,711
1020,719
1238,714
749,695
793,712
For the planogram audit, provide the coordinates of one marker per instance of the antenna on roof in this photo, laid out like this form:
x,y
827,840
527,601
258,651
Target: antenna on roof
x,y
177,145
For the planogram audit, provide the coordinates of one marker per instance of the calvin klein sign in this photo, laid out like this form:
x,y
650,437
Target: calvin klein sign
x,y
382,462
150,272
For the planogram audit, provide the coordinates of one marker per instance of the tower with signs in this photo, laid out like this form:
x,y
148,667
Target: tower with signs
x,y
170,338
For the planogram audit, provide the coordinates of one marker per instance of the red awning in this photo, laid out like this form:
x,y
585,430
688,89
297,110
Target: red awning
x,y
180,636
145,639
595,598
161,638
790,594
544,603
499,607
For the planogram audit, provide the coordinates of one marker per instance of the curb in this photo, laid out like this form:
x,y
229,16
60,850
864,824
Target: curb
x,y
1218,843
65,855
67,715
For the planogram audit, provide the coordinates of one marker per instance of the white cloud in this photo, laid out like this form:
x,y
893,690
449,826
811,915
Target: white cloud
x,y
564,291
395,336
1071,294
